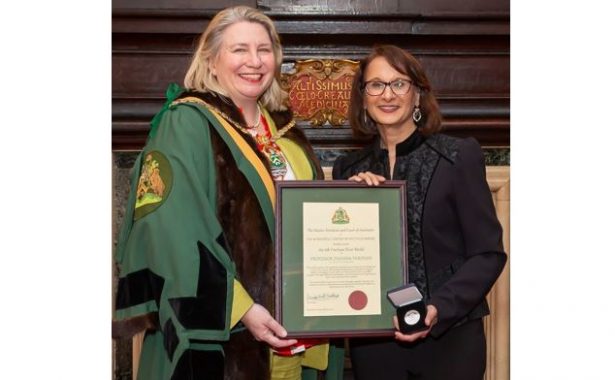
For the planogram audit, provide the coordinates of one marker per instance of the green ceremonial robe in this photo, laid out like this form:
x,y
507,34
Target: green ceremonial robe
x,y
170,235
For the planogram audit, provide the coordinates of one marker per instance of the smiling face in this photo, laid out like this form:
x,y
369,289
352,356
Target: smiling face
x,y
245,64
389,109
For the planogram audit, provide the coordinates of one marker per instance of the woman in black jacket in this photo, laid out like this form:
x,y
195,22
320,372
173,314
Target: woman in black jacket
x,y
455,240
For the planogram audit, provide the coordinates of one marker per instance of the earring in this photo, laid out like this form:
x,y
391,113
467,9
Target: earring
x,y
416,114
365,117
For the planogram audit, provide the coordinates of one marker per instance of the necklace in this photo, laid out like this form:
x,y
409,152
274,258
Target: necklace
x,y
276,136
263,139
258,118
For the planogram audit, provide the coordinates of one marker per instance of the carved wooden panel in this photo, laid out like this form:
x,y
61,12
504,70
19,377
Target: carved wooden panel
x,y
179,4
417,7
464,47
497,325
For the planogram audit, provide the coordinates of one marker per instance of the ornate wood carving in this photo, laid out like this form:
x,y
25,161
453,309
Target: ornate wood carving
x,y
319,90
497,325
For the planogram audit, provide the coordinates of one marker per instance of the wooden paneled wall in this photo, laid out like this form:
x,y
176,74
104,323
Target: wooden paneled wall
x,y
464,47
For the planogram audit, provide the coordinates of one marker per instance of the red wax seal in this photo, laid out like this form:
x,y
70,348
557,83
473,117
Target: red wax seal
x,y
357,300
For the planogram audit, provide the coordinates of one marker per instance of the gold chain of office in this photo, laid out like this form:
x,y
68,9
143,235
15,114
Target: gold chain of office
x,y
247,131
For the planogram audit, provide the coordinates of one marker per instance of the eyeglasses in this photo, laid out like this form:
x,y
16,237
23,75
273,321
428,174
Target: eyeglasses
x,y
398,86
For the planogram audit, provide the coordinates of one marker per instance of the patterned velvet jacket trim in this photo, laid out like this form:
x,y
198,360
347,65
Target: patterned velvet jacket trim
x,y
417,166
416,162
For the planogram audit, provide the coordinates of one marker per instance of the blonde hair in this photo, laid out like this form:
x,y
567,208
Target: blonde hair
x,y
199,76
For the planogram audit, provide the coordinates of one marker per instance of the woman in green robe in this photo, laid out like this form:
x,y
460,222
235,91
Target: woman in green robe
x,y
196,248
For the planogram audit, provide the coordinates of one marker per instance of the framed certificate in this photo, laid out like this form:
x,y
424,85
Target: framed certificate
x,y
340,246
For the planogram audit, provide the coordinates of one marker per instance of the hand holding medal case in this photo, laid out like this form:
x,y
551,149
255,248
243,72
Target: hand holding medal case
x,y
411,309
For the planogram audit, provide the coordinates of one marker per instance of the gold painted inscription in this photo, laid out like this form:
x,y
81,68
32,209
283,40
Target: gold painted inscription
x,y
319,90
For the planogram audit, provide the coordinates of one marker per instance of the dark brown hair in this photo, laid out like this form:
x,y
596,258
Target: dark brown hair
x,y
405,63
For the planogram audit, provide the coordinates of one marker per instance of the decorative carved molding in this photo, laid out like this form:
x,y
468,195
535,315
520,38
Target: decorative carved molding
x,y
464,47
497,325
390,7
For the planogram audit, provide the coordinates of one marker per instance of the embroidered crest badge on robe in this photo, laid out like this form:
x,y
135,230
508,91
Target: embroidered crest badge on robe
x,y
154,183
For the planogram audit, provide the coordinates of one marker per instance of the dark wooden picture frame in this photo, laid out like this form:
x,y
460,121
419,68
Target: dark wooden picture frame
x,y
391,199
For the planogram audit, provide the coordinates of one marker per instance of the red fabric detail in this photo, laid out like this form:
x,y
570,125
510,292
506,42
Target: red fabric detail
x,y
306,343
